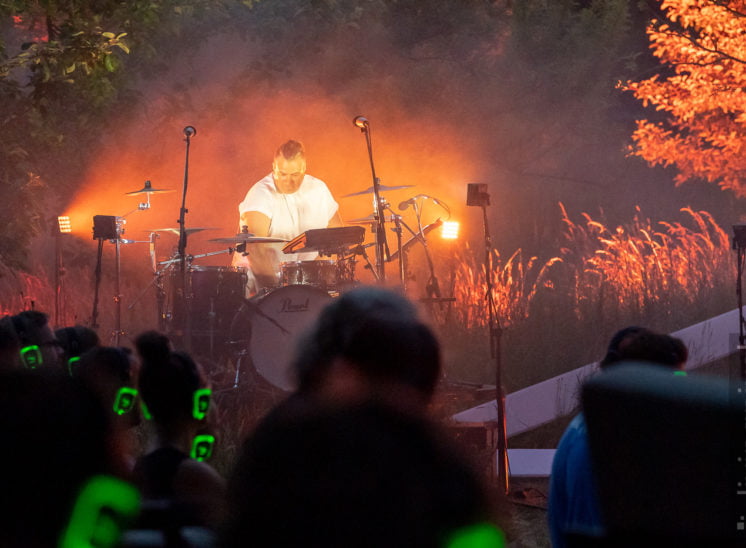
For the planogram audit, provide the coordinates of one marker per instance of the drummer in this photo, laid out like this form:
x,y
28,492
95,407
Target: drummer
x,y
284,204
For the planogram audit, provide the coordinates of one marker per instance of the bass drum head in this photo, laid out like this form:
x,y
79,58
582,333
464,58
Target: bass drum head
x,y
278,319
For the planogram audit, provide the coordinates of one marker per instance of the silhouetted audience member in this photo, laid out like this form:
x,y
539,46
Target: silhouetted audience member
x,y
350,459
74,341
39,346
10,346
574,512
370,342
361,474
168,383
111,373
56,439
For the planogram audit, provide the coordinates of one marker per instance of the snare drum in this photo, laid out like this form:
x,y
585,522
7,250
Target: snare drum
x,y
320,273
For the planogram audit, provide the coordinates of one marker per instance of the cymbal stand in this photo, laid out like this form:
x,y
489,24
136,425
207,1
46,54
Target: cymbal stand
x,y
382,251
433,286
360,250
398,231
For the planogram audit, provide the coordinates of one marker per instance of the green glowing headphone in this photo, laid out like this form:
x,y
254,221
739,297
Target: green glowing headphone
x,y
31,356
479,535
125,399
102,510
201,403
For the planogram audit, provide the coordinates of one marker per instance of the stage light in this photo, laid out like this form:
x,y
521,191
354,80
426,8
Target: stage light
x,y
449,231
63,222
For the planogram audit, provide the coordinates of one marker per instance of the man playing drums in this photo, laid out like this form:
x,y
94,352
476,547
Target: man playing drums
x,y
284,204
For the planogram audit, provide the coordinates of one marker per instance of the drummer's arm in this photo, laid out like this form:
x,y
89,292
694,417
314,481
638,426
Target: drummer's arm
x,y
261,257
336,220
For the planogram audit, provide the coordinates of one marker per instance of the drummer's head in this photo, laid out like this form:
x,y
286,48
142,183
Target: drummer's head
x,y
369,342
289,167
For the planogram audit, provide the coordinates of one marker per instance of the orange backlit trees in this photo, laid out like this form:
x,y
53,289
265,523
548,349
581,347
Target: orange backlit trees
x,y
700,93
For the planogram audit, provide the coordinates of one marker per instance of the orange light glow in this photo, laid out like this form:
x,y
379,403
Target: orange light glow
x,y
449,230
226,158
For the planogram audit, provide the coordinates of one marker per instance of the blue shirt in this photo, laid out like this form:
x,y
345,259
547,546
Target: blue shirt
x,y
573,495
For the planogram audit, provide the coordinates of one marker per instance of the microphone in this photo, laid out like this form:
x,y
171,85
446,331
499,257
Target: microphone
x,y
406,203
361,122
189,131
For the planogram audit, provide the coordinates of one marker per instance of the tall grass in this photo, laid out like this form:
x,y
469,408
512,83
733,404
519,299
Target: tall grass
x,y
559,312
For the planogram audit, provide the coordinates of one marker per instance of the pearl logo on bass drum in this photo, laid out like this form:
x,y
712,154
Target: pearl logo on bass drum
x,y
288,305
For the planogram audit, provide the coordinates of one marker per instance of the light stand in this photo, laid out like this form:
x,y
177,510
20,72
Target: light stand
x,y
60,225
104,228
739,244
382,252
477,196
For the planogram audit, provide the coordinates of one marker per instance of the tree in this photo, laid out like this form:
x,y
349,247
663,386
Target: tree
x,y
700,93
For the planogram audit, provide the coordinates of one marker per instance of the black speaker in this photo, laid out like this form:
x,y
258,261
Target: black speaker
x,y
104,227
476,195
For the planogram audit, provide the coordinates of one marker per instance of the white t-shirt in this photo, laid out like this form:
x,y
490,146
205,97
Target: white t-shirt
x,y
311,206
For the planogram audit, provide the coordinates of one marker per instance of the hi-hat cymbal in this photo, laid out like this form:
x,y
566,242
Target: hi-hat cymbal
x,y
177,231
381,188
370,220
148,189
245,238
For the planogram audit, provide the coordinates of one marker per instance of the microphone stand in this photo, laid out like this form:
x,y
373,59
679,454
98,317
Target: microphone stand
x,y
378,207
189,131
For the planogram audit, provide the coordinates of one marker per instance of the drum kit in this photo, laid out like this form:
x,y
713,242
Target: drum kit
x,y
206,309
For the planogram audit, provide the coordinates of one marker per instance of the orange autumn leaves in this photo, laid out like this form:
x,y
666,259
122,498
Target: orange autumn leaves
x,y
702,95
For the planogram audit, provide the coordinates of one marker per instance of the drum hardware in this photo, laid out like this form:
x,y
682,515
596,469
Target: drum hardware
x,y
246,238
111,228
370,219
417,238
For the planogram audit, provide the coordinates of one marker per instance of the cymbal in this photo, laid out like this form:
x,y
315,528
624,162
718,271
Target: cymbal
x,y
370,220
245,238
148,189
381,188
177,231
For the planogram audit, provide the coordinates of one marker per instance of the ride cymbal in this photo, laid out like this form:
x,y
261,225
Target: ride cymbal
x,y
177,231
381,188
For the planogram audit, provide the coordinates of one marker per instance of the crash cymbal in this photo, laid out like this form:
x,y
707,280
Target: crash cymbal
x,y
244,238
381,188
148,189
370,220
177,232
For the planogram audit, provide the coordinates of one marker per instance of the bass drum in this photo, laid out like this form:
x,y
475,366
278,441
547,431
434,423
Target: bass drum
x,y
276,321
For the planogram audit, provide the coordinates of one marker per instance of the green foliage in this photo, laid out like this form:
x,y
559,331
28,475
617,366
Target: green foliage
x,y
63,71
